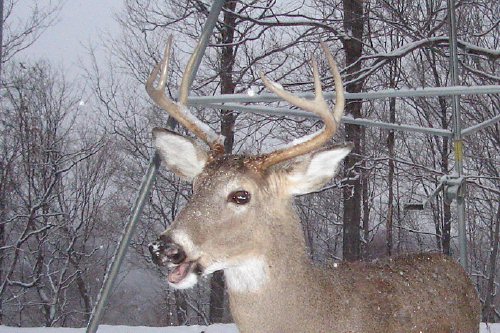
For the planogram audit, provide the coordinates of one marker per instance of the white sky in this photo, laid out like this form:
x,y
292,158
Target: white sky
x,y
80,23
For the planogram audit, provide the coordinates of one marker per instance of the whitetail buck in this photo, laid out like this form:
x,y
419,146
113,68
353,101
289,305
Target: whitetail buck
x,y
241,220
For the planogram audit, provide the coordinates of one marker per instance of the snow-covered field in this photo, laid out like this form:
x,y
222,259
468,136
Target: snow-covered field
x,y
491,328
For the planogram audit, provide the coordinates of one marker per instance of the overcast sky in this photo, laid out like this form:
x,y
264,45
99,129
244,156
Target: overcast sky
x,y
80,22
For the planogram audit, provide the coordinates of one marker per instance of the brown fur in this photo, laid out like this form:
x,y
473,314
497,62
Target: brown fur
x,y
415,293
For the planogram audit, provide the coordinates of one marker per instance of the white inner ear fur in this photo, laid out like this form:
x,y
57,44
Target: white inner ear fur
x,y
312,174
182,155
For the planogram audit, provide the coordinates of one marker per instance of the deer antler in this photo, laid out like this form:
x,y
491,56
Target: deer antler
x,y
317,106
179,110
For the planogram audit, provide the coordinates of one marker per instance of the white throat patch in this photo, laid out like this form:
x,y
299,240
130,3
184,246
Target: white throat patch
x,y
249,276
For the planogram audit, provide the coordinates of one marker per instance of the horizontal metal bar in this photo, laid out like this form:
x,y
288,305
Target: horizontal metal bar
x,y
387,93
268,110
398,127
477,127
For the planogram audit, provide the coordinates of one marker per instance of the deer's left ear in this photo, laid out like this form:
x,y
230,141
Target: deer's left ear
x,y
311,172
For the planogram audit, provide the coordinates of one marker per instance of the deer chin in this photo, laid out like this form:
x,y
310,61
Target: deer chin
x,y
183,275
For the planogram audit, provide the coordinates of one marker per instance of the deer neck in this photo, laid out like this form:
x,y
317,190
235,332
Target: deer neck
x,y
280,262
274,280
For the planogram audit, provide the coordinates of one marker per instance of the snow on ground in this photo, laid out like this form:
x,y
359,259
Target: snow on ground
x,y
219,328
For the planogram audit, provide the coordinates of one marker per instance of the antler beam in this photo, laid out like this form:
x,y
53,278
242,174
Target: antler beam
x,y
179,110
317,106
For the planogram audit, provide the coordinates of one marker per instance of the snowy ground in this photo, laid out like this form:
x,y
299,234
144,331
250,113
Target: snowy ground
x,y
492,328
126,329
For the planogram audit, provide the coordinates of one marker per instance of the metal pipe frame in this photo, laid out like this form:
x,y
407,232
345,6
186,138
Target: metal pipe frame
x,y
232,103
473,129
229,102
145,189
272,111
386,93
457,135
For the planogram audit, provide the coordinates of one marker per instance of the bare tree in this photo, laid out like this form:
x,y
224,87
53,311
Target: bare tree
x,y
56,191
19,34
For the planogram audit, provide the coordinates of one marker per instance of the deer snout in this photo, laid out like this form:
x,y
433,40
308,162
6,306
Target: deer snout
x,y
164,250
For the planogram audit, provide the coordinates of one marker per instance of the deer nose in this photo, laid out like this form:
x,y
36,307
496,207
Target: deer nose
x,y
164,250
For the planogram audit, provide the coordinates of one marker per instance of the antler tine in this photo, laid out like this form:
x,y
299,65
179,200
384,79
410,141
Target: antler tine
x,y
338,111
179,110
317,106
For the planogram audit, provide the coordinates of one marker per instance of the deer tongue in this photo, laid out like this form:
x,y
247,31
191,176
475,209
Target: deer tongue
x,y
179,272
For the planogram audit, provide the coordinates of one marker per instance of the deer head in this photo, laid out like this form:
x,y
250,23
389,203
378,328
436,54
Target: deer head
x,y
238,200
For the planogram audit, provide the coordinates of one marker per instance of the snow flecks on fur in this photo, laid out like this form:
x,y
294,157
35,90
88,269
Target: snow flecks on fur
x,y
182,239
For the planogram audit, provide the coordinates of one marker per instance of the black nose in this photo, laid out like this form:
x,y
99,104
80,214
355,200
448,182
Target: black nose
x,y
164,250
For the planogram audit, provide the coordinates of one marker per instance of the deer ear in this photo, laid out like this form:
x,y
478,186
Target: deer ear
x,y
181,155
312,171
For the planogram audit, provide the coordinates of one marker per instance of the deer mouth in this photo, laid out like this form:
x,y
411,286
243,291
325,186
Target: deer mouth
x,y
183,269
183,275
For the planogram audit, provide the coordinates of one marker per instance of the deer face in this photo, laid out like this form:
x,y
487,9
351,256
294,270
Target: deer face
x,y
219,227
226,224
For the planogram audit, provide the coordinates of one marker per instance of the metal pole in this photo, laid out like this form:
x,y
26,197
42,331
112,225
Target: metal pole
x,y
457,135
474,128
208,29
117,260
146,185
268,110
1,37
385,93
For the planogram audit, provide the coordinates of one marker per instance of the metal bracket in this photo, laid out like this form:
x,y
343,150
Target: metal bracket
x,y
453,187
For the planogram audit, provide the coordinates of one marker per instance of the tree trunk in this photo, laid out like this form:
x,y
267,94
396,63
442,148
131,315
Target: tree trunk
x,y
84,295
181,307
390,179
217,283
2,244
393,83
445,161
353,26
3,195
489,306
445,164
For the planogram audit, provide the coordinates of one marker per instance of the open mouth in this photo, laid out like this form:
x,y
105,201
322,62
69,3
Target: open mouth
x,y
179,272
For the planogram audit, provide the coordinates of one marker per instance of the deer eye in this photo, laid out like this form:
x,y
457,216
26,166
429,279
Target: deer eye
x,y
239,197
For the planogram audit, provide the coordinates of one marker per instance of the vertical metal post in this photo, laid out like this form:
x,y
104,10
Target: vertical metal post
x,y
457,134
1,36
146,185
205,36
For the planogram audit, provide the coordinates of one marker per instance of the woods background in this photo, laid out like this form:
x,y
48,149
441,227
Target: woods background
x,y
73,152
